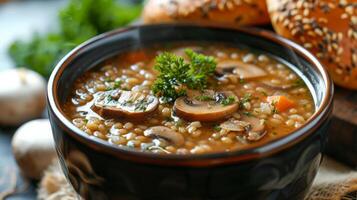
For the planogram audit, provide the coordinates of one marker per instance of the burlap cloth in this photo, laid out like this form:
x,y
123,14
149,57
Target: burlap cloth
x,y
334,181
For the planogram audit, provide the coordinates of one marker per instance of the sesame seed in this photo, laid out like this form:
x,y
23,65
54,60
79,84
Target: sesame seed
x,y
339,36
285,23
305,20
343,2
339,71
340,51
311,33
350,33
334,46
308,45
298,17
306,12
294,31
349,10
354,58
322,20
354,20
344,16
318,31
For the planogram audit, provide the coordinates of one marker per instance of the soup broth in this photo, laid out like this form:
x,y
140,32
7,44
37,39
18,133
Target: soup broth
x,y
248,99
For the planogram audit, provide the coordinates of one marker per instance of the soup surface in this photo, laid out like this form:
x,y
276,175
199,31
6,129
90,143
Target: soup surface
x,y
199,98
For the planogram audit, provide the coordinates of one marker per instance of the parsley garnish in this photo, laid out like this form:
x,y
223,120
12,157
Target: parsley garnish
x,y
141,105
118,83
204,98
227,101
249,114
217,128
275,110
176,75
245,99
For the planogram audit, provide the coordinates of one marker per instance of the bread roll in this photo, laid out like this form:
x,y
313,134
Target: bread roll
x,y
229,13
327,28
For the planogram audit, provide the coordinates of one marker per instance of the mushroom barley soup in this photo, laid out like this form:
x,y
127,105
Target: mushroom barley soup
x,y
190,99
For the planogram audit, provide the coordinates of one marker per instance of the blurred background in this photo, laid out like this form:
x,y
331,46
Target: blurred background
x,y
35,34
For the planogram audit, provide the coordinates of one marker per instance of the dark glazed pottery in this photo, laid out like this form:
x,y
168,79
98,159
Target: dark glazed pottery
x,y
281,169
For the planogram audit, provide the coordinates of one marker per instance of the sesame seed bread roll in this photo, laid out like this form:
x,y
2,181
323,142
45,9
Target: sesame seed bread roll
x,y
327,28
228,13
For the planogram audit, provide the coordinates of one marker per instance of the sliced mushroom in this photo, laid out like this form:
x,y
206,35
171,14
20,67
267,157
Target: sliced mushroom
x,y
209,108
127,104
235,125
257,128
243,70
165,133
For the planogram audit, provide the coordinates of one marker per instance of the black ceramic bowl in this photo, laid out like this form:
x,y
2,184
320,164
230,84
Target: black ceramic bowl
x,y
281,169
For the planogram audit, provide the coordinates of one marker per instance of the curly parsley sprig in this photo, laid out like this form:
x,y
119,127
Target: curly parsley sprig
x,y
176,75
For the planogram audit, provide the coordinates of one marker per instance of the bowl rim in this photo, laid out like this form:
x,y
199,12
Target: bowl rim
x,y
322,113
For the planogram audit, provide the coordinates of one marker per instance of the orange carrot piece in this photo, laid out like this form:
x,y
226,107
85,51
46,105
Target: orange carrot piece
x,y
281,103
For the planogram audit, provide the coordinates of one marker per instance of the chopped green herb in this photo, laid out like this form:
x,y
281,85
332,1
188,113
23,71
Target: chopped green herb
x,y
169,119
249,114
179,122
176,75
108,79
217,128
241,80
118,83
227,101
109,98
245,99
141,105
275,110
204,98
85,121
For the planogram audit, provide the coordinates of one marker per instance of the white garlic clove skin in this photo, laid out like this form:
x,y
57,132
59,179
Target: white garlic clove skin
x,y
33,147
22,96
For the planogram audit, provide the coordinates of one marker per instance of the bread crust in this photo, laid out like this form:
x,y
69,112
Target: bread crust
x,y
327,28
228,13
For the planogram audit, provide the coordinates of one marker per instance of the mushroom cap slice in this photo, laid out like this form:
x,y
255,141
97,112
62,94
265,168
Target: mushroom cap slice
x,y
252,127
193,109
235,125
126,104
241,69
257,128
165,133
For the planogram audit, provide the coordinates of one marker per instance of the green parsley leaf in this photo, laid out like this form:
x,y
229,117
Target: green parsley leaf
x,y
249,114
176,75
245,99
204,98
217,128
228,101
